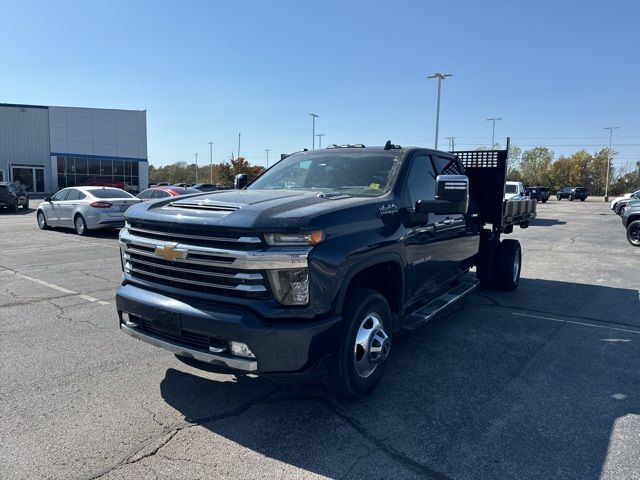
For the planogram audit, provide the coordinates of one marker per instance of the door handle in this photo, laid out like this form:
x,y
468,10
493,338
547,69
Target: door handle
x,y
448,221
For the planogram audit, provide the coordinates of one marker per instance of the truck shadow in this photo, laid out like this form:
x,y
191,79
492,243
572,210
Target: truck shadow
x,y
502,388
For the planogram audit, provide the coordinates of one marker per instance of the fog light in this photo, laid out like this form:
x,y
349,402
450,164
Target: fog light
x,y
130,320
241,350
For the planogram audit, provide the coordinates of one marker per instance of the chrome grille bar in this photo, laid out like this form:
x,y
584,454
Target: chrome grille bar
x,y
239,288
235,276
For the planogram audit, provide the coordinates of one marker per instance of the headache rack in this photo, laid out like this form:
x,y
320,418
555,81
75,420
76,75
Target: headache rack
x,y
487,173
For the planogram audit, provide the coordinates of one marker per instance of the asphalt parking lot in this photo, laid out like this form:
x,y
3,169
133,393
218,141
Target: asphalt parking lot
x,y
540,383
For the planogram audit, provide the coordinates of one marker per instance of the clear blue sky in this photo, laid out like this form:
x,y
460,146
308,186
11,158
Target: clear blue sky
x,y
558,70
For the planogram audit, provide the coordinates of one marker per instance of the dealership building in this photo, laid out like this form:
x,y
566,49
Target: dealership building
x,y
49,148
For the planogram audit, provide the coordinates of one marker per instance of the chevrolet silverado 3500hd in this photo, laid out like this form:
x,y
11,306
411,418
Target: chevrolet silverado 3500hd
x,y
309,271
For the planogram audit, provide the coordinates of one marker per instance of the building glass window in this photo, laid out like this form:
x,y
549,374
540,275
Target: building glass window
x,y
78,171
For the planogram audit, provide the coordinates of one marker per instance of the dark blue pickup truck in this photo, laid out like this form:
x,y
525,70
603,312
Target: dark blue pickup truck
x,y
310,271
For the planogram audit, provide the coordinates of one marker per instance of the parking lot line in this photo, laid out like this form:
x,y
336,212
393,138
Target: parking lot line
x,y
577,323
59,288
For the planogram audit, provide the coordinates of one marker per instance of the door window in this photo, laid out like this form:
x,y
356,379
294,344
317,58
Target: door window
x,y
160,194
145,194
421,183
73,194
61,195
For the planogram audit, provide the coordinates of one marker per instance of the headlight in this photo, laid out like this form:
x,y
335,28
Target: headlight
x,y
291,286
284,239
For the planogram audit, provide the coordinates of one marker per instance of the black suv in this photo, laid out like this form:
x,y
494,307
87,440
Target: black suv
x,y
572,193
541,194
12,196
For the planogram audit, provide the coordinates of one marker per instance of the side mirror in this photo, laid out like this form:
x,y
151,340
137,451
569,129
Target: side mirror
x,y
47,199
452,196
240,181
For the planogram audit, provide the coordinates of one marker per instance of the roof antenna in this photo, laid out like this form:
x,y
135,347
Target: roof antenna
x,y
388,145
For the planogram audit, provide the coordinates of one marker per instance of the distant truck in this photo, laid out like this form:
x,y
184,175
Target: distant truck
x,y
514,191
310,271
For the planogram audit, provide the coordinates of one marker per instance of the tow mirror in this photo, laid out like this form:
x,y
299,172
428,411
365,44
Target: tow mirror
x,y
240,181
452,196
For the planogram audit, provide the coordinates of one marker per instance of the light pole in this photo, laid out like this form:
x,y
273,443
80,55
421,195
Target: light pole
x,y
196,167
452,143
440,77
267,150
606,185
313,136
211,160
493,129
320,135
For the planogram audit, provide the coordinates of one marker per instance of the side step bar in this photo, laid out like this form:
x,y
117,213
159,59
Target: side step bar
x,y
425,313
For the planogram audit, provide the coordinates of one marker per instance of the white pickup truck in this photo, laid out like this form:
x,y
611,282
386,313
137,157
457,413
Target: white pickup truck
x,y
514,191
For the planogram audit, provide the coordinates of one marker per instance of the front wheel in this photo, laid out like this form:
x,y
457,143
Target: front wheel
x,y
358,364
571,198
633,233
42,221
545,200
14,207
582,199
558,197
26,204
508,263
81,225
621,209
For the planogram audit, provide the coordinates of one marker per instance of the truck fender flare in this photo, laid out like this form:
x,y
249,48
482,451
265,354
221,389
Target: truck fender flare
x,y
363,265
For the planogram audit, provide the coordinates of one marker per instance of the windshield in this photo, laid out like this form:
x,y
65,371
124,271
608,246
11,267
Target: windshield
x,y
511,189
109,193
351,173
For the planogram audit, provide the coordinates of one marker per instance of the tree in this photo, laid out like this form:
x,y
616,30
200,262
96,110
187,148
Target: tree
x,y
535,165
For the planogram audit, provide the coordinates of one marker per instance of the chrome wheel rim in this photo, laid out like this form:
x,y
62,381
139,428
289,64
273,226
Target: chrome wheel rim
x,y
516,266
41,220
80,225
372,345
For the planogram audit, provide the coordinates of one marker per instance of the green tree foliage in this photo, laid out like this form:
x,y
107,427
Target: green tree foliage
x,y
221,173
535,165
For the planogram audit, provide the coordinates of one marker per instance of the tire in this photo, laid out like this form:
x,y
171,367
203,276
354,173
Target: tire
x,y
545,200
26,205
355,369
80,224
571,198
14,207
559,197
42,220
582,199
621,209
633,233
508,265
486,256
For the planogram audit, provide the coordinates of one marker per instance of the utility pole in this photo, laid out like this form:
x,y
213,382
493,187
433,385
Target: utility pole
x,y
196,167
239,145
313,135
493,129
440,77
609,155
638,181
211,160
452,143
267,150
320,135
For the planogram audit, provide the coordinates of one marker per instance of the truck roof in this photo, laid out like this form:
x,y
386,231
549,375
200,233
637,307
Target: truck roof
x,y
379,149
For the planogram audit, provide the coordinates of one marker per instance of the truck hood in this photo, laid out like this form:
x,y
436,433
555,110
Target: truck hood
x,y
246,209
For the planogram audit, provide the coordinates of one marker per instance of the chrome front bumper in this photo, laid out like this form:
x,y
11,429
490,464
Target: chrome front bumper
x,y
247,365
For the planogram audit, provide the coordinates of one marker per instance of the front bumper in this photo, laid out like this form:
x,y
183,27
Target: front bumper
x,y
281,348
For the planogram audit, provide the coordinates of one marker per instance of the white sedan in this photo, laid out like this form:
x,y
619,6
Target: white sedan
x,y
85,208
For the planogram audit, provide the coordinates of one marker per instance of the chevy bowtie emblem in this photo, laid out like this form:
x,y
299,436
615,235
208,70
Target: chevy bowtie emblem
x,y
169,252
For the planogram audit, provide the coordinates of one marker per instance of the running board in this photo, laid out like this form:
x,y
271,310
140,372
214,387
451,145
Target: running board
x,y
431,309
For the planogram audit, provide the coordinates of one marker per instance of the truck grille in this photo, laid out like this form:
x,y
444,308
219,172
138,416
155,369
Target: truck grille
x,y
195,260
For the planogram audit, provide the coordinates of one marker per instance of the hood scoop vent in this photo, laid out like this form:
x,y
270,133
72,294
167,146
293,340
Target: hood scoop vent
x,y
208,206
333,195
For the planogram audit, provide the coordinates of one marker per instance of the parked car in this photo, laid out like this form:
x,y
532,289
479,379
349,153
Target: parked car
x,y
155,193
183,185
13,196
620,204
541,194
310,271
85,208
514,191
572,193
206,187
631,221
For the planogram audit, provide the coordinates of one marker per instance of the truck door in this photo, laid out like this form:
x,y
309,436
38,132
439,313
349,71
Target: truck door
x,y
457,231
425,270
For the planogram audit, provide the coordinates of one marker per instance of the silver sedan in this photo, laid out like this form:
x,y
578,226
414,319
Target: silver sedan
x,y
85,208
